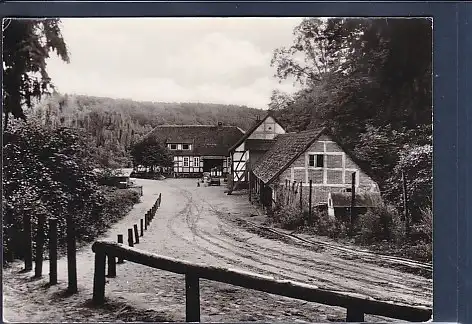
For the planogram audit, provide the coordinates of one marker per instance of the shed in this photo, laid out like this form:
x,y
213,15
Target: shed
x,y
339,203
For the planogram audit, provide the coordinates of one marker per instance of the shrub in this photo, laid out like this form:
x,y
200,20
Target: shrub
x,y
379,224
289,216
49,172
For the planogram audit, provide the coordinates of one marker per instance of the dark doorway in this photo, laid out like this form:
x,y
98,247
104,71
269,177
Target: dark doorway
x,y
208,164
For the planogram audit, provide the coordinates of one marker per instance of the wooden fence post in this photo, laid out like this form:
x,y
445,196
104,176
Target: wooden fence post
x,y
354,314
120,240
309,202
301,196
38,270
111,266
141,227
146,221
136,234
192,298
28,252
353,201
99,278
130,237
160,200
71,255
52,251
405,205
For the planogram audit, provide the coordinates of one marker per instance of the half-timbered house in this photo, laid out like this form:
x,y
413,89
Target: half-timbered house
x,y
295,159
198,148
250,148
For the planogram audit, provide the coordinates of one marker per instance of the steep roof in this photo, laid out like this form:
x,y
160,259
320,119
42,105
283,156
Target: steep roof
x,y
251,130
206,139
363,199
286,149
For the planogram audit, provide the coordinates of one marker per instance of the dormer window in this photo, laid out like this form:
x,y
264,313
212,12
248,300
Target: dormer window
x,y
185,147
173,146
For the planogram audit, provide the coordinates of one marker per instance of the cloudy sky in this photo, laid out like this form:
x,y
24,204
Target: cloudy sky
x,y
217,60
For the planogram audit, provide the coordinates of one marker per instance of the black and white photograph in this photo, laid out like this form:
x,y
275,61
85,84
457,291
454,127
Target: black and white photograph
x,y
205,169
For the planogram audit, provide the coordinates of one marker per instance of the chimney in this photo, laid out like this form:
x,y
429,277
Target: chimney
x,y
258,118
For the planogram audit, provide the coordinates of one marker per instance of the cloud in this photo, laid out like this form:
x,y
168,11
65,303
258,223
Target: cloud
x,y
222,60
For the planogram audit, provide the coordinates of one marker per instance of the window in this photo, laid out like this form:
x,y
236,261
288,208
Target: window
x,y
173,146
196,161
185,161
316,160
185,147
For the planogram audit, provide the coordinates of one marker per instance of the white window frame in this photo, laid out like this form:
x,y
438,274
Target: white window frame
x,y
315,160
186,162
196,161
173,149
188,148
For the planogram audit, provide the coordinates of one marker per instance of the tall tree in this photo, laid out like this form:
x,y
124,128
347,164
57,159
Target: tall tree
x,y
27,44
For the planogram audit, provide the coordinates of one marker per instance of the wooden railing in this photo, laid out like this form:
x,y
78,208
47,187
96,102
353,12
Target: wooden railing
x,y
356,305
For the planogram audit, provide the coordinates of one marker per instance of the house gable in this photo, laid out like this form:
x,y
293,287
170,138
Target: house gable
x,y
267,130
326,164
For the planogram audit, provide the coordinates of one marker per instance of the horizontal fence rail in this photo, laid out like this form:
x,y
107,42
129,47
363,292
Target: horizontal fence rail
x,y
356,305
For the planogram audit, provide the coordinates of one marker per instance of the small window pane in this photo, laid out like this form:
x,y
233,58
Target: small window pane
x,y
311,161
185,146
319,160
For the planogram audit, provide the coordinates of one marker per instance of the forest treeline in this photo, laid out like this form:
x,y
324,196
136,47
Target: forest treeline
x,y
113,125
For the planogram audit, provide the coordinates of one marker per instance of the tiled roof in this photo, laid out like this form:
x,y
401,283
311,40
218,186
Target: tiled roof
x,y
259,144
363,199
206,139
286,149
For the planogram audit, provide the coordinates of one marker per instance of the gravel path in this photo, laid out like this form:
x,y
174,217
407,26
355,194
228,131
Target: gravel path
x,y
194,224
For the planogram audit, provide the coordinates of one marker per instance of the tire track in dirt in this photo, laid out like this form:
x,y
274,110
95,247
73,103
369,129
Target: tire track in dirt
x,y
276,272
352,266
211,287
210,238
372,281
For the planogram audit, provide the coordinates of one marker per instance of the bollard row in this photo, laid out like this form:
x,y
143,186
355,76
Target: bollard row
x,y
133,235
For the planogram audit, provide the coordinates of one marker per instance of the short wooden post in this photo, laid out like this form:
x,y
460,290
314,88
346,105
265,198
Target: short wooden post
x,y
111,266
136,234
120,240
71,255
141,227
99,278
309,201
38,270
52,251
405,205
160,200
130,237
28,252
353,201
192,298
250,185
354,314
146,221
301,196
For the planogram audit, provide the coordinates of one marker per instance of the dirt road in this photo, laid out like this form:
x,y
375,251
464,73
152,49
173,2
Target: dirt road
x,y
194,224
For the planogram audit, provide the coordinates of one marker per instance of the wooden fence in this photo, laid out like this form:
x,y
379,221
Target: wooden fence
x,y
355,304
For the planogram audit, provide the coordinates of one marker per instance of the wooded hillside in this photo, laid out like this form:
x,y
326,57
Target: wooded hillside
x,y
114,124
